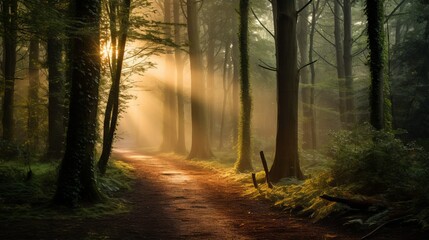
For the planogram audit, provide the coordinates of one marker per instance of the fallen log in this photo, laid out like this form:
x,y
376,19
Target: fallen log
x,y
356,203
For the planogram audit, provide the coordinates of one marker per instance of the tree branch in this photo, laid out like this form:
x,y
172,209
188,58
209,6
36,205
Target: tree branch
x,y
306,5
266,29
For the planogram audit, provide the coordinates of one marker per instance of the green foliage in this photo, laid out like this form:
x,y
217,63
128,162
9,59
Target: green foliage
x,y
21,197
374,162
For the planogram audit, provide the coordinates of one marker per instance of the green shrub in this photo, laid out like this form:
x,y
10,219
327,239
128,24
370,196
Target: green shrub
x,y
376,162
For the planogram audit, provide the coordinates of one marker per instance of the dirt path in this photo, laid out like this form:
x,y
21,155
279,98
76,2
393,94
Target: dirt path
x,y
176,200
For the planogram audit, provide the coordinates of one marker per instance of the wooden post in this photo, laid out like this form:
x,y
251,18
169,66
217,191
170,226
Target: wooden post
x,y
254,180
264,163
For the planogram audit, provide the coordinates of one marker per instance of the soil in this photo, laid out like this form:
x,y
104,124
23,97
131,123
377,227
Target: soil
x,y
176,200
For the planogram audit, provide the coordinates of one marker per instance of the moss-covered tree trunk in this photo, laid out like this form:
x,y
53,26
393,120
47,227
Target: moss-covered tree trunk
x,y
375,15
76,180
200,147
244,156
286,160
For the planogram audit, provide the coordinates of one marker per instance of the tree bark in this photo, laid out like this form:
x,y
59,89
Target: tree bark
x,y
76,179
200,147
286,160
375,16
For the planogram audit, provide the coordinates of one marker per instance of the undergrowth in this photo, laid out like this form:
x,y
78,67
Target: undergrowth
x,y
22,196
362,164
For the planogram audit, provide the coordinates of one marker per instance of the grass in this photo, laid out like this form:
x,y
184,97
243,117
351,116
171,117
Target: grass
x,y
21,198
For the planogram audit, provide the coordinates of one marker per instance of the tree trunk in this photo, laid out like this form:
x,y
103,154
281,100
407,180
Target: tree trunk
x,y
313,76
9,63
169,130
112,108
340,61
226,89
210,77
200,147
33,94
180,145
244,156
375,16
286,160
76,179
56,98
302,34
348,62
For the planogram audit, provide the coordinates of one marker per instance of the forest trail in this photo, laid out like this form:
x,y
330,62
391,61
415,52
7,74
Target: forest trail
x,y
173,199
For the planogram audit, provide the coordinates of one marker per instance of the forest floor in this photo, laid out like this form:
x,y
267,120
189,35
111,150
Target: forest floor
x,y
174,199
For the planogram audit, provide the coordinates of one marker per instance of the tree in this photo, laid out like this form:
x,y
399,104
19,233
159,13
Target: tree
x,y
178,57
340,60
286,161
10,27
76,178
302,35
200,147
118,43
348,61
244,159
33,92
169,129
375,15
56,87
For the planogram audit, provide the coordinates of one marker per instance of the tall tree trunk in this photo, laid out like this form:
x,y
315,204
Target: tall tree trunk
x,y
112,108
312,114
76,178
56,97
348,62
10,27
200,147
169,131
286,160
178,56
302,34
226,88
33,93
244,156
235,87
375,16
340,61
210,78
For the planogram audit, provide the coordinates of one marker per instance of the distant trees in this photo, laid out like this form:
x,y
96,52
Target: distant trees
x,y
10,28
76,179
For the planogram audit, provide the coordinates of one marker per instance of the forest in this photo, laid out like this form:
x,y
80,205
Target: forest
x,y
211,119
